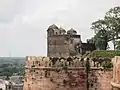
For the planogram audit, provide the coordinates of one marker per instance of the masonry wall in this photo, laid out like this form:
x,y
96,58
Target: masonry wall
x,y
57,46
100,80
62,45
43,75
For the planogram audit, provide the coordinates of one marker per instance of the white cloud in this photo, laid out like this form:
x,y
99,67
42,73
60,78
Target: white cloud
x,y
23,23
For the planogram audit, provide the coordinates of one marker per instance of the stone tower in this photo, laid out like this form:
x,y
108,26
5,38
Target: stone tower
x,y
61,43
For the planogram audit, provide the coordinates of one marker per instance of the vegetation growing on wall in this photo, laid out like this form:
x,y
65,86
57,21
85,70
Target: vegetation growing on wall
x,y
102,58
104,53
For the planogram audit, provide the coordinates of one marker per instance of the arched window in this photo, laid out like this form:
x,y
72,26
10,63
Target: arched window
x,y
60,32
56,33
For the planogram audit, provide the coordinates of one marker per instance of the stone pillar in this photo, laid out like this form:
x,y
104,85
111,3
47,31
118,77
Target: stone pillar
x,y
116,73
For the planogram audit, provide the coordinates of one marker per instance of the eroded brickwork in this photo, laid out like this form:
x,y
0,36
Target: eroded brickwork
x,y
42,73
100,80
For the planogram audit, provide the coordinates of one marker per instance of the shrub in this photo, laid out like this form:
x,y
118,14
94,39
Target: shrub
x,y
104,53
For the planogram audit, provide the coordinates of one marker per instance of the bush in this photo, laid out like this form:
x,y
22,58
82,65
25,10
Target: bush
x,y
105,53
108,65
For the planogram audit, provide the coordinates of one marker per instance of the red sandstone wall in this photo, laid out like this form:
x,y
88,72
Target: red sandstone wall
x,y
44,76
100,80
57,80
69,80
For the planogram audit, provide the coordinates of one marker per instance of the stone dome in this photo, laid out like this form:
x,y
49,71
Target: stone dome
x,y
72,32
62,30
53,26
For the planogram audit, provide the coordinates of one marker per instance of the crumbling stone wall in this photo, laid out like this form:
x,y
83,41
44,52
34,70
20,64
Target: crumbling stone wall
x,y
100,79
42,73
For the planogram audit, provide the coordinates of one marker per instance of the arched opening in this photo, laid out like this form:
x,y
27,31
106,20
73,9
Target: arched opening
x,y
56,33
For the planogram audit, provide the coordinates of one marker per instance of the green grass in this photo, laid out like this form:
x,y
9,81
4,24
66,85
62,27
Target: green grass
x,y
105,53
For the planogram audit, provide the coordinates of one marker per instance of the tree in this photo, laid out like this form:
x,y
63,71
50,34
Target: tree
x,y
102,35
99,25
117,45
101,40
113,19
107,29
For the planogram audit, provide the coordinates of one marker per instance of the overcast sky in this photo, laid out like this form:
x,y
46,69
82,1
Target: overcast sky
x,y
23,23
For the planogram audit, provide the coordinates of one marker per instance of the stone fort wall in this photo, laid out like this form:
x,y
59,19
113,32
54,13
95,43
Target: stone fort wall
x,y
44,73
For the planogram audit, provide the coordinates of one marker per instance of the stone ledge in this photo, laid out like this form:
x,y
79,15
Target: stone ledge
x,y
73,68
115,85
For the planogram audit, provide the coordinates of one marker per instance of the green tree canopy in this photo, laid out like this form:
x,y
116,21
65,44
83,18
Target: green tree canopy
x,y
107,29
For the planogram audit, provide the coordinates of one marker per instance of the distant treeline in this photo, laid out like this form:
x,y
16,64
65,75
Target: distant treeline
x,y
12,65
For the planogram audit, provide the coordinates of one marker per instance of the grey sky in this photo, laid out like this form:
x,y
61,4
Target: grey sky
x,y
23,23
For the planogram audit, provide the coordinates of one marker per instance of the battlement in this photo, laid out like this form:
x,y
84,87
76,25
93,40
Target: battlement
x,y
71,63
37,62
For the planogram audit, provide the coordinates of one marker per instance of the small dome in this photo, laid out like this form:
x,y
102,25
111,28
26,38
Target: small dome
x,y
53,26
62,30
72,31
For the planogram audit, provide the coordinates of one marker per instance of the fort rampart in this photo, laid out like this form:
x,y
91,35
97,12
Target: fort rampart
x,y
44,73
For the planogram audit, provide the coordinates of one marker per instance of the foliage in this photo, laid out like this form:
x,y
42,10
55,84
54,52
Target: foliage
x,y
10,66
104,53
102,36
113,19
107,29
117,45
5,73
9,71
104,62
107,65
73,53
